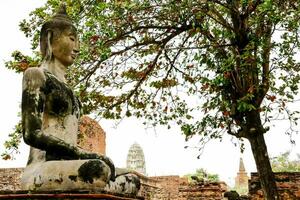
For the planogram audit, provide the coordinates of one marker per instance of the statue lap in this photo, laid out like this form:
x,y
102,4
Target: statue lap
x,y
68,175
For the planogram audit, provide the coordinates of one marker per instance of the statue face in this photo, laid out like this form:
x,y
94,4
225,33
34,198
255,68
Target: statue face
x,y
65,47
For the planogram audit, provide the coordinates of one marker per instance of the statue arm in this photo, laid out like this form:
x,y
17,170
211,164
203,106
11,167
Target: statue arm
x,y
32,112
32,106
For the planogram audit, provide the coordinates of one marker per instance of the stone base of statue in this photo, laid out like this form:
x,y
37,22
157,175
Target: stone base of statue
x,y
64,195
90,175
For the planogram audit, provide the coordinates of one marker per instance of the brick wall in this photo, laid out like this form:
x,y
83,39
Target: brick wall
x,y
91,136
151,188
10,178
170,184
202,191
288,184
178,188
152,192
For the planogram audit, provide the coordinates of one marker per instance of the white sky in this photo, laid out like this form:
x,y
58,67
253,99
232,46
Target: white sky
x,y
164,149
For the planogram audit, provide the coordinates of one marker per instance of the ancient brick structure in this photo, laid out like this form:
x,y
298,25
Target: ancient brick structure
x,y
202,191
288,184
177,188
170,184
10,178
91,135
151,189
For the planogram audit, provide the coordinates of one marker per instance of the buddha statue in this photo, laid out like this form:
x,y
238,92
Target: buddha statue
x,y
50,114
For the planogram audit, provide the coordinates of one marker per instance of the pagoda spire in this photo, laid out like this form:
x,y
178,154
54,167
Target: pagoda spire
x,y
242,166
241,180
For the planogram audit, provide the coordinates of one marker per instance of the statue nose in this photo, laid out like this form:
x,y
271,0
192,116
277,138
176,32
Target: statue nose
x,y
75,53
76,47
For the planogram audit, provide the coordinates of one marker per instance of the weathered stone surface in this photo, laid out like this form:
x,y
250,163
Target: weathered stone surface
x,y
10,184
66,175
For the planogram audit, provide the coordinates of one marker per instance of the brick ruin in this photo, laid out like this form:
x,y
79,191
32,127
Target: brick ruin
x,y
10,178
178,188
288,184
91,136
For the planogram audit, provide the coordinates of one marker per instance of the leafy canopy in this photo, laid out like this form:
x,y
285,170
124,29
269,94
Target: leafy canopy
x,y
283,163
206,65
202,175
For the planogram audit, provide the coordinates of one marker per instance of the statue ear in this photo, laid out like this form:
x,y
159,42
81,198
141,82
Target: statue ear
x,y
48,55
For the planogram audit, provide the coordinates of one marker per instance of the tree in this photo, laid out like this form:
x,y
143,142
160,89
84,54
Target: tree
x,y
202,175
241,190
282,163
211,66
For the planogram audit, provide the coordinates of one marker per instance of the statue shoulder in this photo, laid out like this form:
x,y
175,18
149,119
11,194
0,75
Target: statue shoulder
x,y
33,78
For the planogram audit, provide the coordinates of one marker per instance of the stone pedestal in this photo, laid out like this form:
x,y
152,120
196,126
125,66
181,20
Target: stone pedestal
x,y
63,195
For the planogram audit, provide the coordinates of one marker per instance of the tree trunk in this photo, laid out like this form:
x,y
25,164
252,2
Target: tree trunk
x,y
267,178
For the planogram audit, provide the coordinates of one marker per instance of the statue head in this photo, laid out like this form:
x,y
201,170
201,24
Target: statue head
x,y
58,38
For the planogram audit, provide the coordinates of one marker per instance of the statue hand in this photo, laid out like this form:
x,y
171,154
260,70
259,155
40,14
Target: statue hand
x,y
111,165
88,155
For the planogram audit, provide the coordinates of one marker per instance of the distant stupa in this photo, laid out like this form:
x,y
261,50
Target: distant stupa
x,y
241,180
136,159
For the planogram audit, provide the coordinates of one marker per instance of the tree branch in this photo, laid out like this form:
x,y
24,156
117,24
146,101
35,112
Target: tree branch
x,y
252,7
150,68
220,20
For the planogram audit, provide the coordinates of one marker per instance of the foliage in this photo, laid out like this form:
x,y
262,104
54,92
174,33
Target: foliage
x,y
11,146
147,59
202,175
21,62
241,190
283,163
